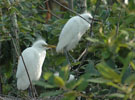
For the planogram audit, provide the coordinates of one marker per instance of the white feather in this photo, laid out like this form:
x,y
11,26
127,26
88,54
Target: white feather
x,y
126,2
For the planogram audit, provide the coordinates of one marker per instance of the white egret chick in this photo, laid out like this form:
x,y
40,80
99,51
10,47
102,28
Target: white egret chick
x,y
72,32
34,57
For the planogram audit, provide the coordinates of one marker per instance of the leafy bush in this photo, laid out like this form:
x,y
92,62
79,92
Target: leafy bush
x,y
106,73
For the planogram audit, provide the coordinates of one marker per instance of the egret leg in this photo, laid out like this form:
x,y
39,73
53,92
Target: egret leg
x,y
73,59
67,57
34,92
29,92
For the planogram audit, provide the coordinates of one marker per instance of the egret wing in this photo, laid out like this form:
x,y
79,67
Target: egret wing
x,y
69,32
29,59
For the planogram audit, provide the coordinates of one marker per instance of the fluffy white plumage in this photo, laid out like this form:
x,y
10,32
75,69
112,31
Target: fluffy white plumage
x,y
73,31
34,57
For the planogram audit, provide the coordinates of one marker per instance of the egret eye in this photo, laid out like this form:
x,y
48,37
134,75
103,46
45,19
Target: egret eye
x,y
44,45
89,18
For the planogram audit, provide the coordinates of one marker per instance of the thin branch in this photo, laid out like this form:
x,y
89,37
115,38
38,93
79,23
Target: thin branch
x,y
50,12
54,14
23,63
74,12
82,54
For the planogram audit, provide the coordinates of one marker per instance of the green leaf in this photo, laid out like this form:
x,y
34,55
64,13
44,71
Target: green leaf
x,y
44,84
106,54
132,63
70,95
130,79
47,75
126,61
108,72
51,93
93,2
126,74
69,98
84,83
94,40
59,81
111,63
75,83
129,19
64,73
82,86
98,80
119,95
114,7
90,68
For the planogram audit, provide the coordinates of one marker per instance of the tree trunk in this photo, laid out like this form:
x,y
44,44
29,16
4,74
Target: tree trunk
x,y
82,6
70,3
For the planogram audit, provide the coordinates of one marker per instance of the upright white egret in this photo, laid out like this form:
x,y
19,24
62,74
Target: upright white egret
x,y
72,32
33,57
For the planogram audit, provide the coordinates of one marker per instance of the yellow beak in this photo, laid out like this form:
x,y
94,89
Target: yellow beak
x,y
50,46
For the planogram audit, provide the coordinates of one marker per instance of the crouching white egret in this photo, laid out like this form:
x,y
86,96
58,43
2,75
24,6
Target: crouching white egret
x,y
72,32
34,57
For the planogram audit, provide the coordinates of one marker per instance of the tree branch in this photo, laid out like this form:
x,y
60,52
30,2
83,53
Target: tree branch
x,y
50,12
74,12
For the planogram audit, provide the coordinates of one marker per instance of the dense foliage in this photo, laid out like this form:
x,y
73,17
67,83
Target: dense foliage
x,y
107,71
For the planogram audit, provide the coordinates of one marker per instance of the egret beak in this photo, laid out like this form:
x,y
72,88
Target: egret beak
x,y
49,46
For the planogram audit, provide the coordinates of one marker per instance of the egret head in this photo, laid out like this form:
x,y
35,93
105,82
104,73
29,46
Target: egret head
x,y
42,45
87,16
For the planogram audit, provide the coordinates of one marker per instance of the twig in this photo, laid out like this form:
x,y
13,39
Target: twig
x,y
74,12
117,28
50,12
81,55
24,65
54,14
